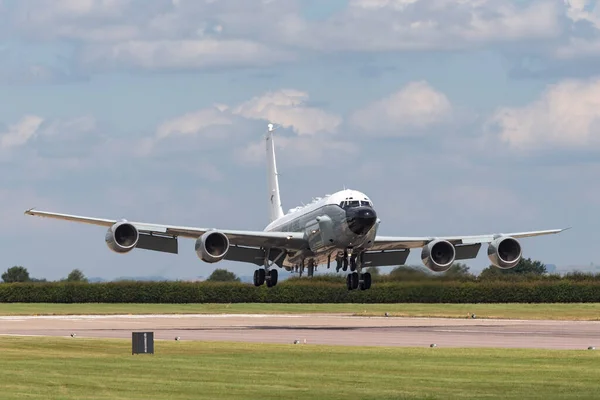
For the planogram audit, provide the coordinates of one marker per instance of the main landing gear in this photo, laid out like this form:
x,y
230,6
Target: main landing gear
x,y
267,274
355,279
261,276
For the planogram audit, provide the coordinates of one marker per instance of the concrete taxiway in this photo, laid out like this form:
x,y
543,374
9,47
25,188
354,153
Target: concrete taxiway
x,y
319,329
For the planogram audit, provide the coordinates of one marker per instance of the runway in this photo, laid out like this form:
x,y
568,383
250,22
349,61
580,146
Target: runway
x,y
318,329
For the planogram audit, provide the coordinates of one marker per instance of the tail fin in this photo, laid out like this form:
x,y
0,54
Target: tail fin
x,y
275,210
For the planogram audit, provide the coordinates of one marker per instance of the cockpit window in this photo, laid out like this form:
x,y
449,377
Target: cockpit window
x,y
353,203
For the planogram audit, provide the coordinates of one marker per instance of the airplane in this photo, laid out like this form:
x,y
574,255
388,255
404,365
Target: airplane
x,y
341,226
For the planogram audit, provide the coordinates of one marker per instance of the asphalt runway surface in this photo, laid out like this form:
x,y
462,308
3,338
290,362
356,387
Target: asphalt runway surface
x,y
318,329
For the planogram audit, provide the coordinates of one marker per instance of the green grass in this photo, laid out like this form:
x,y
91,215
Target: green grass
x,y
558,311
66,368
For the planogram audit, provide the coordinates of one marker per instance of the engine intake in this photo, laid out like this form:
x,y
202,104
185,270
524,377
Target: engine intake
x,y
438,255
122,237
504,252
212,246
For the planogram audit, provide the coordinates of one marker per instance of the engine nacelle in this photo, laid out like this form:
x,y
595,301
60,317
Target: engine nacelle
x,y
505,252
438,255
122,237
212,246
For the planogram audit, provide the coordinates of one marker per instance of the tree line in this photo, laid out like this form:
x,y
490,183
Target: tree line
x,y
529,282
19,273
527,269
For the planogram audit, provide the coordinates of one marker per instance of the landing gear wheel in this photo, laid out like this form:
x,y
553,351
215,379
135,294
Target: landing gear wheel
x,y
272,281
352,281
259,277
345,264
352,263
365,283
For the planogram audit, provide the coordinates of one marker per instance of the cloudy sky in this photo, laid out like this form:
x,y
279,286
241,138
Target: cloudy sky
x,y
454,116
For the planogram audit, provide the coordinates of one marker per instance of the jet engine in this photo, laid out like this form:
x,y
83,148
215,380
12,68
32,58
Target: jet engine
x,y
504,252
212,246
122,237
438,255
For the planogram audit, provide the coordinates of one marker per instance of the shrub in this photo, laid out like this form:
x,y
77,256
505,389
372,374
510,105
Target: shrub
x,y
306,291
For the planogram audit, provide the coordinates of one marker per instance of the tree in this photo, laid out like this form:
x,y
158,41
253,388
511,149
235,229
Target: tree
x,y
76,276
529,266
222,275
526,266
458,271
16,274
410,273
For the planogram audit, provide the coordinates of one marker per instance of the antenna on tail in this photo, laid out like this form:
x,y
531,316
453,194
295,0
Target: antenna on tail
x,y
275,209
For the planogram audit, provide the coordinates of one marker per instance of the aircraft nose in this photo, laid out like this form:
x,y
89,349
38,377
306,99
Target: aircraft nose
x,y
360,219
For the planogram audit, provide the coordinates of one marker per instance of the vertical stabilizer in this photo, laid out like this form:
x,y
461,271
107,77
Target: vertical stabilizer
x,y
275,210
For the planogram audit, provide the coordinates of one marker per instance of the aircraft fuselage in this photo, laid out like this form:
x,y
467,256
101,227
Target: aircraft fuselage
x,y
343,221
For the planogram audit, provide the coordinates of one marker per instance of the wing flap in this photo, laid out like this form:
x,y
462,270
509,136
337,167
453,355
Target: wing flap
x,y
467,251
385,258
164,244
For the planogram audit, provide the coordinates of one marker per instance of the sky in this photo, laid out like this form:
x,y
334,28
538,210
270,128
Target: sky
x,y
453,116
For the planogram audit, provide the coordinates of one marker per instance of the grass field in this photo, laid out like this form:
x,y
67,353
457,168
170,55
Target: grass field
x,y
66,368
558,311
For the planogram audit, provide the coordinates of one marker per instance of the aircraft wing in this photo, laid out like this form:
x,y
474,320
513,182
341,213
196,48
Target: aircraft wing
x,y
282,240
384,243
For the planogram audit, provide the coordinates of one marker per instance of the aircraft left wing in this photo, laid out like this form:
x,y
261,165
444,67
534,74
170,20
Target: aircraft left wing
x,y
383,243
281,240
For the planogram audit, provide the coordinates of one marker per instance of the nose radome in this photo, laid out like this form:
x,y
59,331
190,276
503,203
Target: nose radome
x,y
366,213
361,219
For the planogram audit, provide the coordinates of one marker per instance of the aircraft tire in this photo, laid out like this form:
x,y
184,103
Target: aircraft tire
x,y
353,264
353,280
260,277
366,281
256,278
273,275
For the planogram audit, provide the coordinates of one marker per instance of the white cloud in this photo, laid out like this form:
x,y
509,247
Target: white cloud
x,y
45,147
219,125
191,34
299,151
388,25
180,54
406,112
585,42
30,127
287,107
18,134
52,10
194,122
584,10
566,115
